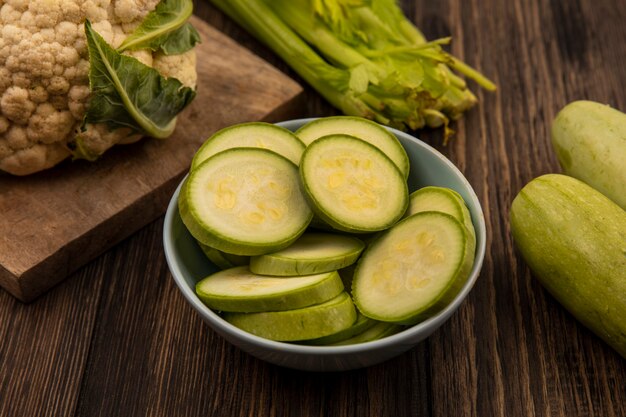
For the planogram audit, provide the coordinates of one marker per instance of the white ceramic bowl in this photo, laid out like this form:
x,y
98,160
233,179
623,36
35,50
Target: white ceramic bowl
x,y
188,265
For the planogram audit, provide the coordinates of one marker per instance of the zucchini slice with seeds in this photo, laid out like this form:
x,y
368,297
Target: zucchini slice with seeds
x,y
352,185
244,201
444,200
361,128
414,269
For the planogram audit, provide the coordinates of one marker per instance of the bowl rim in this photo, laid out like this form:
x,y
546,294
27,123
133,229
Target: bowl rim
x,y
407,336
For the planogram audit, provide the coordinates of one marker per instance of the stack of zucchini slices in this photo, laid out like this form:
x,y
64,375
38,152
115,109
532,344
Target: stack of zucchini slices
x,y
316,234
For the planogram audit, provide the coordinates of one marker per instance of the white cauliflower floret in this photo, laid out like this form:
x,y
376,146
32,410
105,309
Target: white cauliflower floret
x,y
5,79
4,124
46,13
38,94
182,67
78,100
16,137
143,56
44,85
10,15
16,105
49,125
100,138
20,5
38,155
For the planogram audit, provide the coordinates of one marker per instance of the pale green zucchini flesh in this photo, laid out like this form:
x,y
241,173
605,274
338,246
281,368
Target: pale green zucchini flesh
x,y
445,200
300,324
244,201
414,269
251,135
312,253
239,290
435,199
361,128
352,185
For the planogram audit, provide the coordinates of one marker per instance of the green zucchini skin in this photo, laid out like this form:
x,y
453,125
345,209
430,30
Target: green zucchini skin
x,y
353,223
280,300
424,308
590,142
305,323
573,238
305,260
361,324
211,235
223,260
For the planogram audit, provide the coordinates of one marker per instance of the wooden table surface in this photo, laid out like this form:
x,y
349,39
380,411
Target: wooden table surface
x,y
117,338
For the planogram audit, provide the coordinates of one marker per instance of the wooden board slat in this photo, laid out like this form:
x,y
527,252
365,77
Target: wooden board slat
x,y
53,222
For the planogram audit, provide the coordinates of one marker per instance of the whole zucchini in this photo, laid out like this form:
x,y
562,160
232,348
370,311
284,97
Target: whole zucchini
x,y
573,238
590,142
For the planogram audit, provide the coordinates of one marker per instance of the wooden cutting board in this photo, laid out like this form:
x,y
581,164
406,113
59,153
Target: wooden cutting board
x,y
53,222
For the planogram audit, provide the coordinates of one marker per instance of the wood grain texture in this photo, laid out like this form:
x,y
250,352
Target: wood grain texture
x,y
511,350
55,221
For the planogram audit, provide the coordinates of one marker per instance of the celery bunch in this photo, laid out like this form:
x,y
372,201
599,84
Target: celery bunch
x,y
365,57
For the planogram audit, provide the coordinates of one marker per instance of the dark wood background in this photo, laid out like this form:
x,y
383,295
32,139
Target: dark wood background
x,y
117,339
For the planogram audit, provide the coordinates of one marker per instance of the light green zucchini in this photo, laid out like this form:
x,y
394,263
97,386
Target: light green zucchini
x,y
223,260
573,238
376,332
244,201
590,142
251,135
301,324
352,185
444,200
238,289
361,324
361,128
414,269
312,253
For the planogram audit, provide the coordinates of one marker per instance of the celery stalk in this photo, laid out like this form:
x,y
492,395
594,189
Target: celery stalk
x,y
365,57
329,81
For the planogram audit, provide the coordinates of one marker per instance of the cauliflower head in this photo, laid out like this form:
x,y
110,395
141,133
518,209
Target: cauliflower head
x,y
44,83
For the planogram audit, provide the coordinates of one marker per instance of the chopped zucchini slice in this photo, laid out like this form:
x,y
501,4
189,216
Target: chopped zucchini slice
x,y
375,332
223,260
414,269
361,128
444,200
352,185
361,324
244,201
251,135
299,324
435,199
312,253
239,290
